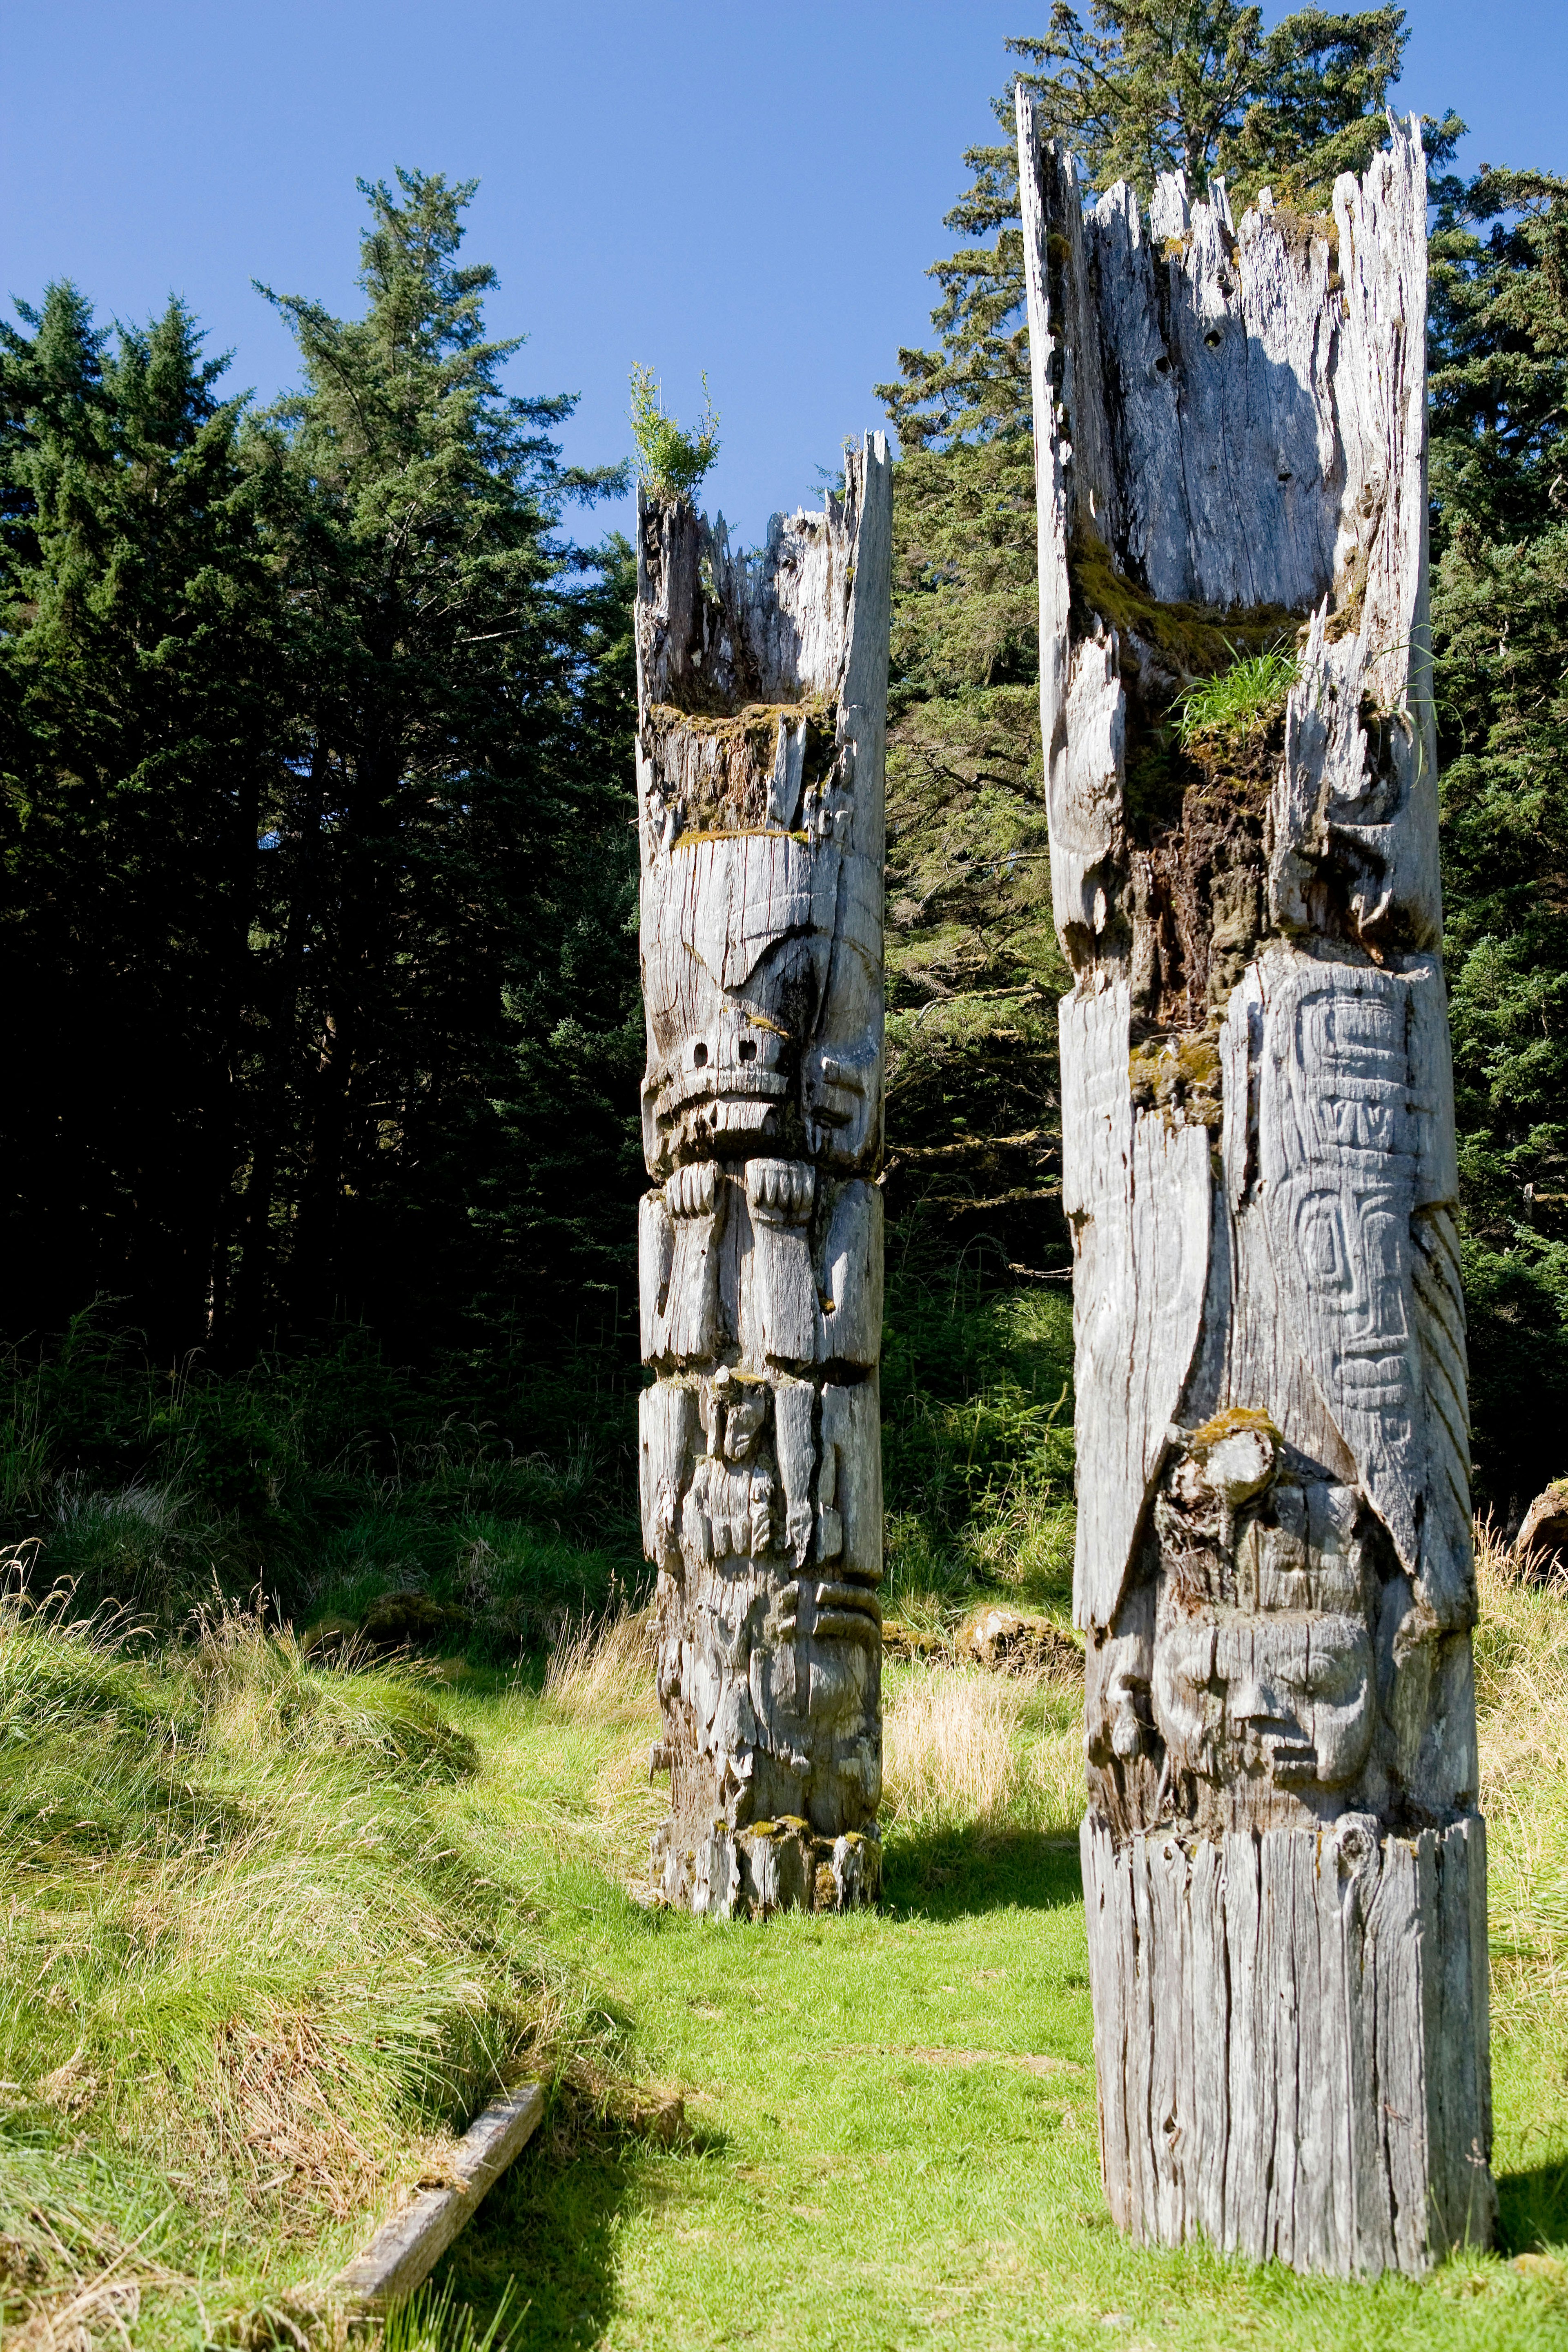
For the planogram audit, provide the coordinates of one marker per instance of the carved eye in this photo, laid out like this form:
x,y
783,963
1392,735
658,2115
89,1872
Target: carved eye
x,y
1161,365
699,1055
748,1049
1214,338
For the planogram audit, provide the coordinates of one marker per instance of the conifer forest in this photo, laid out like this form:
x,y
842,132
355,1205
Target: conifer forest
x,y
326,1688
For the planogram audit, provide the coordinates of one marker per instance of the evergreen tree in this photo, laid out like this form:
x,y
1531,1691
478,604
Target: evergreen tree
x,y
142,714
1199,86
442,774
315,738
1499,393
558,1201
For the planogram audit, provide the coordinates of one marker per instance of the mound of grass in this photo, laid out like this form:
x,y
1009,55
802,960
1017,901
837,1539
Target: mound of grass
x,y
254,1972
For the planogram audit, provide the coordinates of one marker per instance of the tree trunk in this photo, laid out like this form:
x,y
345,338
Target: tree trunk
x,y
761,699
1283,1862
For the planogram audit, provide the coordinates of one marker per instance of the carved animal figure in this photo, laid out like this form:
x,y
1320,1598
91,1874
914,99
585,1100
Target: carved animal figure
x,y
1283,1862
762,723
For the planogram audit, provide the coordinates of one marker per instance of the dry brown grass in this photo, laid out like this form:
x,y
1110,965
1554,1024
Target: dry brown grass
x,y
1522,1689
602,1672
965,1747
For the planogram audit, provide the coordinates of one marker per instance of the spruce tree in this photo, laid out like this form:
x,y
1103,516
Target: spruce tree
x,y
142,708
1499,356
442,774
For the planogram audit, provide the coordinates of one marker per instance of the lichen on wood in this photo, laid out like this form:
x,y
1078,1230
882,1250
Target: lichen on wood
x,y
1283,1862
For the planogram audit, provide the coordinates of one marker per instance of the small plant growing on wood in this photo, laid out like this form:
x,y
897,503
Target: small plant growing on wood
x,y
670,463
1241,704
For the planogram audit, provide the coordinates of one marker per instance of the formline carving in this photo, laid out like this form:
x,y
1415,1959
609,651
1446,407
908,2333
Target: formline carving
x,y
761,694
1283,1862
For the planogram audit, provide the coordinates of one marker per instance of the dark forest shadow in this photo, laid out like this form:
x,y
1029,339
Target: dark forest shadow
x,y
958,1872
548,2228
1532,2208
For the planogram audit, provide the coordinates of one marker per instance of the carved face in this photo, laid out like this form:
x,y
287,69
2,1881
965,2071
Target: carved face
x,y
720,1069
743,1422
764,1003
1291,1697
1343,1149
735,960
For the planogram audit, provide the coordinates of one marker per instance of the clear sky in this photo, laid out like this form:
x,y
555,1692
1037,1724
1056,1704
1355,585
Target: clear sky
x,y
752,189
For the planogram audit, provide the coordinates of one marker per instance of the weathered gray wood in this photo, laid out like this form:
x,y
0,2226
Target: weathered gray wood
x,y
761,727
1284,1864
406,2249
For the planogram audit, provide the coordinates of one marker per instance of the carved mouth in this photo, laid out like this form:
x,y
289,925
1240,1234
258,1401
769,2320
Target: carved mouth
x,y
847,1612
721,1084
1293,1760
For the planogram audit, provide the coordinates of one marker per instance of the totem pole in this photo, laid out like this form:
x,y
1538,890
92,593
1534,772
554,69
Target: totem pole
x,y
1283,1864
761,723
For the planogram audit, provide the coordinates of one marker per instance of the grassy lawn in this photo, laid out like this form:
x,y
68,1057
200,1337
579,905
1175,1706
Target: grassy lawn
x,y
274,1928
892,2118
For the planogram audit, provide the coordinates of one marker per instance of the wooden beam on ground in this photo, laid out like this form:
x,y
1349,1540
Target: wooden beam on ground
x,y
405,2249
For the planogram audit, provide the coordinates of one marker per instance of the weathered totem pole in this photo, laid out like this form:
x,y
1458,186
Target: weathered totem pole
x,y
761,719
1283,1862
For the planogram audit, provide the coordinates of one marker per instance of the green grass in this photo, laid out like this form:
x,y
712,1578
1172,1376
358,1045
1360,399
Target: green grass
x,y
977,1444
250,1965
277,1923
1239,705
272,1927
893,2118
329,1480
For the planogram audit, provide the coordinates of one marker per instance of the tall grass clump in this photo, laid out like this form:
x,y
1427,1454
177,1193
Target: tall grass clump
x,y
1238,707
965,1749
253,1973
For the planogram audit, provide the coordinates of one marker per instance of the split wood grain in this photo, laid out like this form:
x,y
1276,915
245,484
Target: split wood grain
x,y
406,2248
1273,1572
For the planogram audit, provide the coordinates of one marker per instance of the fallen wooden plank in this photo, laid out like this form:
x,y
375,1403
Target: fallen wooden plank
x,y
405,2249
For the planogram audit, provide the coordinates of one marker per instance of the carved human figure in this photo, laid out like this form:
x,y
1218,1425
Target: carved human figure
x,y
761,717
1273,1568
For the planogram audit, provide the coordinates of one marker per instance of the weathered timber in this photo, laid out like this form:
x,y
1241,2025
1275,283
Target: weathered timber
x,y
761,714
1282,1857
406,2249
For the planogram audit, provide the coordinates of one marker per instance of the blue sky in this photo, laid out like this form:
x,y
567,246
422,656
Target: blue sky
x,y
756,190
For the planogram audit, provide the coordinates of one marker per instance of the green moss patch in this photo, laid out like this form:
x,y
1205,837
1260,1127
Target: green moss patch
x,y
1190,641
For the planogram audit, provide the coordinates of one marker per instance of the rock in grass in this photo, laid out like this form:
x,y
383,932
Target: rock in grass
x,y
1543,1542
412,1620
1010,1642
908,1642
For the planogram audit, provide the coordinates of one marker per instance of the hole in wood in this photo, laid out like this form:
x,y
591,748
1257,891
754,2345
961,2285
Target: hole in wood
x,y
699,1055
748,1049
1161,365
1213,339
